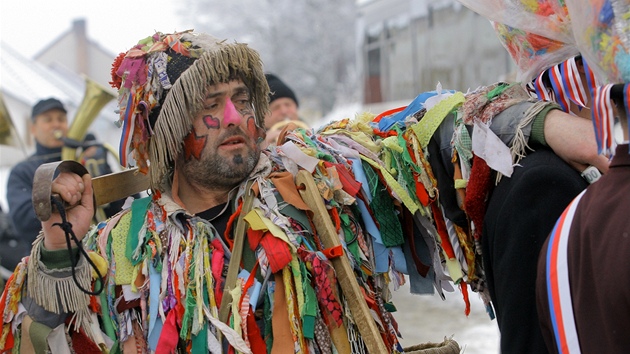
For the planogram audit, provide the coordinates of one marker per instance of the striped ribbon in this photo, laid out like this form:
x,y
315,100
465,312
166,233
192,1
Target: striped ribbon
x,y
457,248
127,133
541,91
573,82
557,279
599,114
559,90
604,120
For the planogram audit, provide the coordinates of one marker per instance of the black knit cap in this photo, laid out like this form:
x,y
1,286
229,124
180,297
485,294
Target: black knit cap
x,y
278,89
46,105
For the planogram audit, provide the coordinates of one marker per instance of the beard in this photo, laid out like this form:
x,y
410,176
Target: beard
x,y
214,171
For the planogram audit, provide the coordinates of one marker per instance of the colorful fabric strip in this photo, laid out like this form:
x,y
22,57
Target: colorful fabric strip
x,y
541,91
559,90
558,290
573,83
604,120
127,133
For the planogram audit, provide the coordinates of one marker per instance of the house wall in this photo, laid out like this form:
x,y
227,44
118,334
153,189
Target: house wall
x,y
408,46
75,52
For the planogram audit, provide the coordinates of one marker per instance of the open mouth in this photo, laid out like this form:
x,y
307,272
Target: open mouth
x,y
235,140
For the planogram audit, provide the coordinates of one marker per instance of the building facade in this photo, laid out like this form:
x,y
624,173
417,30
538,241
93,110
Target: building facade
x,y
74,51
407,46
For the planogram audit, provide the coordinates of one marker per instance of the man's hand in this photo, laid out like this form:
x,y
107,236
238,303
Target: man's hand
x,y
75,191
573,139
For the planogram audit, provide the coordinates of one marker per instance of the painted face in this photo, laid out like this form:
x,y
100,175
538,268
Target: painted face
x,y
223,145
49,126
281,109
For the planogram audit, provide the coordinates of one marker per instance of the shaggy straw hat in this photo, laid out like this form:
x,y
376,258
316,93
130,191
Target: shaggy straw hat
x,y
161,83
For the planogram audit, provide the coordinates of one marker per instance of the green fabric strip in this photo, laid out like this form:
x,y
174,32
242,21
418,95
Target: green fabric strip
x,y
138,214
39,333
309,311
384,210
200,341
267,306
116,348
108,326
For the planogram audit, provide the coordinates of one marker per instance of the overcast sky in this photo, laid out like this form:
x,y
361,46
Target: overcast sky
x,y
28,26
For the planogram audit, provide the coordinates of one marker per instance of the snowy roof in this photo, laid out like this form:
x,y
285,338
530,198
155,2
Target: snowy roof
x,y
29,81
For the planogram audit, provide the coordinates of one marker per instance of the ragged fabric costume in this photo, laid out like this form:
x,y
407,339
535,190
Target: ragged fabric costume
x,y
402,192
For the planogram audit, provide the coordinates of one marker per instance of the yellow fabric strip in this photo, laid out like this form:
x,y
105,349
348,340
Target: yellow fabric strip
x,y
236,297
257,221
454,269
426,127
461,183
124,268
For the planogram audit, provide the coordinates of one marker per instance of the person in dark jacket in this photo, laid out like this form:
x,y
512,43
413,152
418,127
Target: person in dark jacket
x,y
49,127
49,123
521,213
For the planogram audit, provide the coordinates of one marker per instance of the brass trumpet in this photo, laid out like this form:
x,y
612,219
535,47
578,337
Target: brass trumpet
x,y
8,134
95,98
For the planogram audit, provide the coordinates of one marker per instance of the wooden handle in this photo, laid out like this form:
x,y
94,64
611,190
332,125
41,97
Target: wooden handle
x,y
345,275
237,254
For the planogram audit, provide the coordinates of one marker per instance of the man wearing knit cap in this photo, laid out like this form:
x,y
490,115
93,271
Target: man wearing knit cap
x,y
283,104
49,127
49,122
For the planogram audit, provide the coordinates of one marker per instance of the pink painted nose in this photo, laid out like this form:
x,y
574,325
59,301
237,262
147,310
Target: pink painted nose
x,y
230,114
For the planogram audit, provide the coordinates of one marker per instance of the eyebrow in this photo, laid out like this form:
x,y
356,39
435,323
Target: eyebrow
x,y
237,91
241,90
215,94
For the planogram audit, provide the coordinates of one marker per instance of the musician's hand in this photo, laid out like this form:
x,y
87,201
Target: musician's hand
x,y
573,139
76,191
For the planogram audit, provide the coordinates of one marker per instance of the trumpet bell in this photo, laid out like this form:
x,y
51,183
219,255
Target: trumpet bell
x,y
95,98
8,134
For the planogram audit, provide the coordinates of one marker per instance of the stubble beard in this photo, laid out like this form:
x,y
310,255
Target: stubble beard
x,y
214,171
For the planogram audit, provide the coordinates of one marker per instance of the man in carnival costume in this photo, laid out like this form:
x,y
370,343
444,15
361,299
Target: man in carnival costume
x,y
193,108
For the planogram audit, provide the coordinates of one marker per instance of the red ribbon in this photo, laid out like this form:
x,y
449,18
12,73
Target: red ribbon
x,y
167,344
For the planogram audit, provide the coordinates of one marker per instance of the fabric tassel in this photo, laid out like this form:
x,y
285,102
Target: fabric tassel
x,y
41,282
519,144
